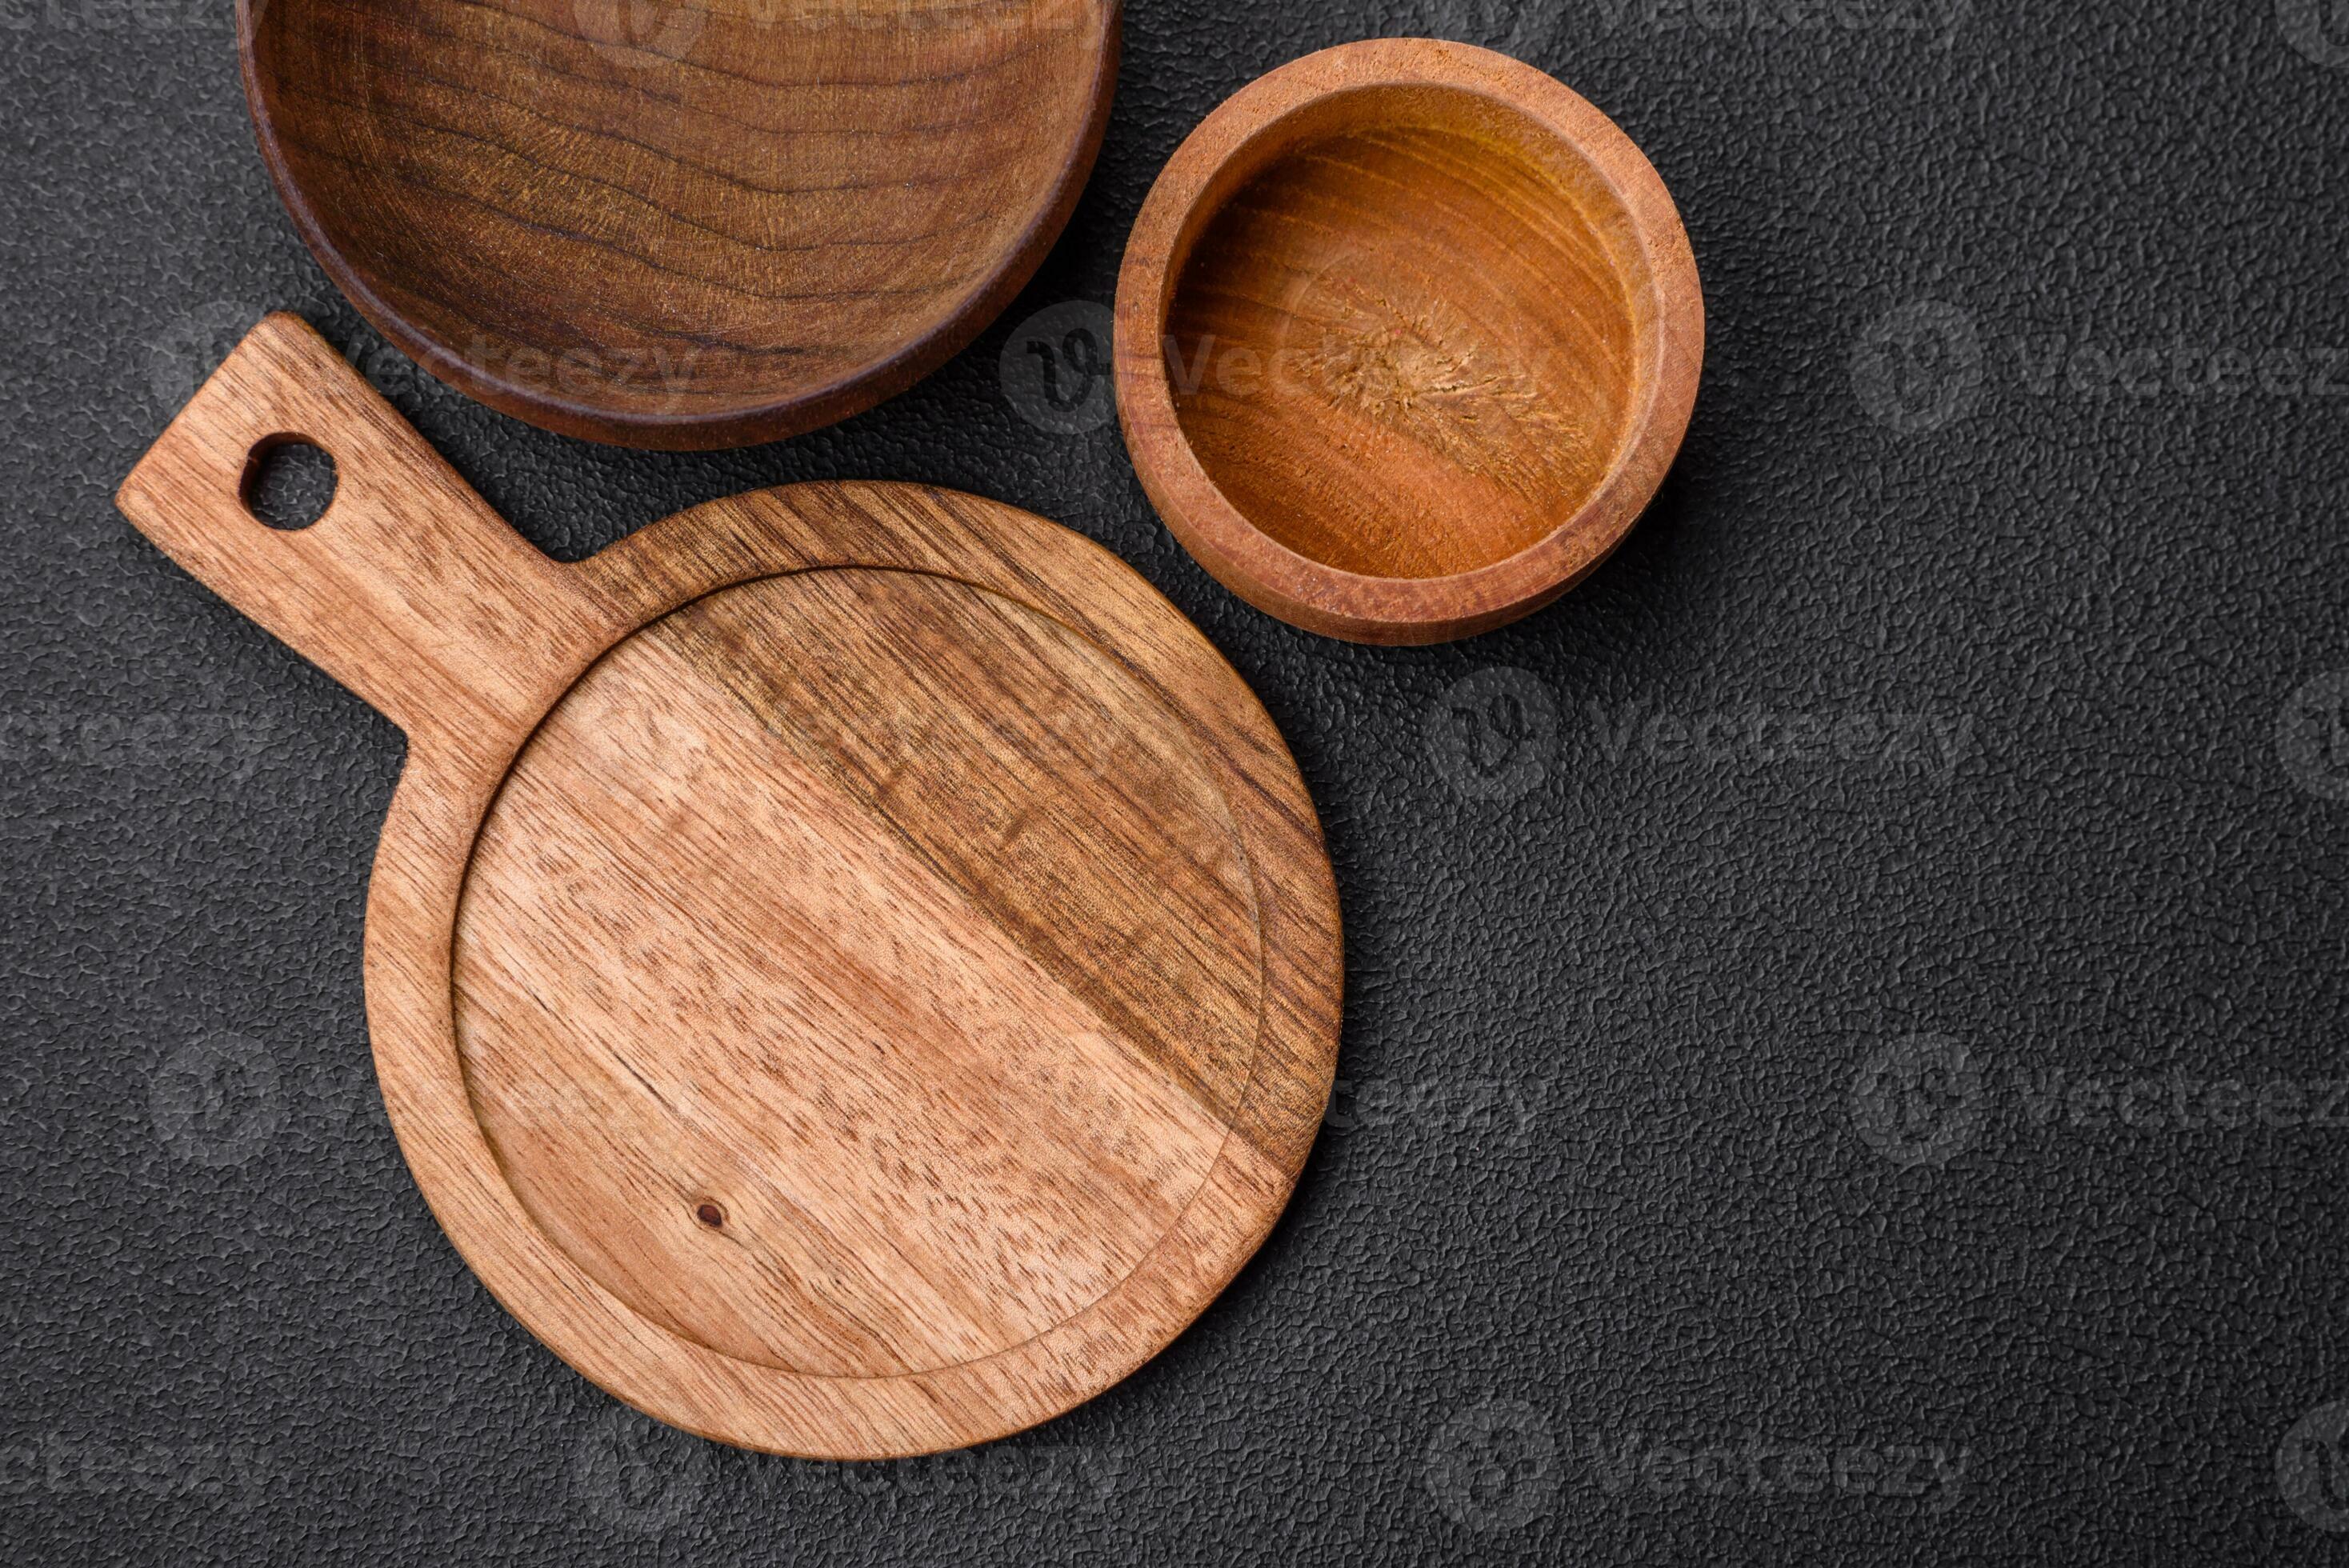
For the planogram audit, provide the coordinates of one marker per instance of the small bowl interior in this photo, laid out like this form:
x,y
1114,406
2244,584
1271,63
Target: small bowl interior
x,y
1412,336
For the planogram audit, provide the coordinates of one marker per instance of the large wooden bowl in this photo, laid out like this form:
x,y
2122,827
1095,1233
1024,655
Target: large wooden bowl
x,y
679,225
1407,336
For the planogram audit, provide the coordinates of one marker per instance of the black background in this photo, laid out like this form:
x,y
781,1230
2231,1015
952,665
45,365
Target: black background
x,y
1913,487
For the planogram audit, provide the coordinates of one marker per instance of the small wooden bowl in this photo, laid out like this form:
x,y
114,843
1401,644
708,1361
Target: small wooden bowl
x,y
687,225
1407,336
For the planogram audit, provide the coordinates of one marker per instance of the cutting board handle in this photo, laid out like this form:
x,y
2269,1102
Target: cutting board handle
x,y
409,590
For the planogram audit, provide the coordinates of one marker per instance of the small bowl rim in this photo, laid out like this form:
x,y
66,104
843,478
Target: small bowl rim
x,y
753,420
1312,593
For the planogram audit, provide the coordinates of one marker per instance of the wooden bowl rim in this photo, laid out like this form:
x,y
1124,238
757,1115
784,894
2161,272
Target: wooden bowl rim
x,y
755,420
1311,593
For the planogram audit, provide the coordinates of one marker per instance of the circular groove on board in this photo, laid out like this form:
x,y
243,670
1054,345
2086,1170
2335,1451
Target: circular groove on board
x,y
948,1015
1006,579
414,594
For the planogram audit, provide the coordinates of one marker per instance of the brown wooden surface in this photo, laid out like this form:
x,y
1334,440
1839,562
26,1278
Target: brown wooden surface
x,y
1408,333
851,967
680,224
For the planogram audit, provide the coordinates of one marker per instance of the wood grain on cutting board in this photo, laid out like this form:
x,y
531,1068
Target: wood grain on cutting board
x,y
851,967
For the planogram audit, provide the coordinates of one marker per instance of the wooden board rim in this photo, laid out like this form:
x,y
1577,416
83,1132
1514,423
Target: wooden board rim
x,y
422,865
417,598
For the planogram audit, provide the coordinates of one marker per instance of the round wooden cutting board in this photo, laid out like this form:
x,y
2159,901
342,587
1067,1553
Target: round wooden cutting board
x,y
851,967
680,224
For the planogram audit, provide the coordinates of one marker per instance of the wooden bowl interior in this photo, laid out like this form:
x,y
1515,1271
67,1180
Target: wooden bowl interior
x,y
1411,330
660,212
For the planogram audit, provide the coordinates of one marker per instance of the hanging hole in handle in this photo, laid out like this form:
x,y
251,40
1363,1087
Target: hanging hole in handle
x,y
289,483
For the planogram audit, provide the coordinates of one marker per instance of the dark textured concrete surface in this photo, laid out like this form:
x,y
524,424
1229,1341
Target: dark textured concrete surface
x,y
1843,1009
